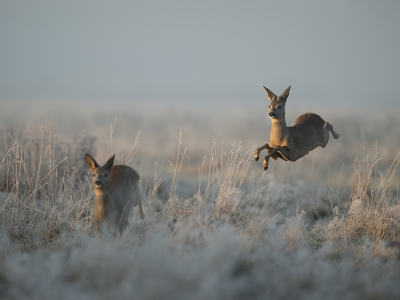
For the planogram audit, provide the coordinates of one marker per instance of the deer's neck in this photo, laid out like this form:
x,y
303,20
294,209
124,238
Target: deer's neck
x,y
102,198
279,132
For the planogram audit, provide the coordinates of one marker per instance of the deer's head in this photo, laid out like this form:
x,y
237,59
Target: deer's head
x,y
101,174
276,107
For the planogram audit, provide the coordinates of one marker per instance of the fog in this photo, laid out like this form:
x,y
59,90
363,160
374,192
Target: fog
x,y
334,53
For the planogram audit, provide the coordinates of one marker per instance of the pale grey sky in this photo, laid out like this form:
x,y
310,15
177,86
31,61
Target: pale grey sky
x,y
343,51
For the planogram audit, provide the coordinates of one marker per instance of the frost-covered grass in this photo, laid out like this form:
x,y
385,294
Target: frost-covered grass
x,y
221,230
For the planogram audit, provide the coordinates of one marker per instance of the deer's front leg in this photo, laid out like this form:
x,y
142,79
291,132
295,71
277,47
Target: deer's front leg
x,y
257,151
284,151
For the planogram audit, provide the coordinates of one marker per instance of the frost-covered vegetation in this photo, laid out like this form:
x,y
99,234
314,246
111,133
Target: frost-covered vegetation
x,y
216,226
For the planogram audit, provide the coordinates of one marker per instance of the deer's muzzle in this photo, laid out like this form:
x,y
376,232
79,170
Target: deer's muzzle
x,y
98,184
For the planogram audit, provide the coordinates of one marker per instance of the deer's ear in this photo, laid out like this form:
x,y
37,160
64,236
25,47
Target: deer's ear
x,y
109,162
91,162
285,94
271,96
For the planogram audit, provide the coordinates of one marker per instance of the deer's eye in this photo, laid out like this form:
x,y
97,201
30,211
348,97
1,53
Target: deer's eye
x,y
269,106
279,106
105,175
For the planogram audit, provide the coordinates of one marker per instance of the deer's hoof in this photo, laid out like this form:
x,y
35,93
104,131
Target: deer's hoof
x,y
265,165
256,154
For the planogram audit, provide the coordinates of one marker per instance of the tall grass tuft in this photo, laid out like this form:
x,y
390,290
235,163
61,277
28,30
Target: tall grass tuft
x,y
44,190
239,234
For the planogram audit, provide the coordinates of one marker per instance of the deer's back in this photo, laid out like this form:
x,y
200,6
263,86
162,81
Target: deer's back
x,y
122,175
124,186
309,120
306,134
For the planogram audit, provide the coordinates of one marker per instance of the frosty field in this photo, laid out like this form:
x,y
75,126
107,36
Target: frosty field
x,y
217,226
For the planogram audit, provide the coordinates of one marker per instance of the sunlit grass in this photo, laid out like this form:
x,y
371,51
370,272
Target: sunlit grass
x,y
225,230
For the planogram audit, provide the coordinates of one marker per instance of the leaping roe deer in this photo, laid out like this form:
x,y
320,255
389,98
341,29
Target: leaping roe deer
x,y
116,190
292,143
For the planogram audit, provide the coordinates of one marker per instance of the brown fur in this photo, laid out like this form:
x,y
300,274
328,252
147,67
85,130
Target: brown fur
x,y
293,142
116,192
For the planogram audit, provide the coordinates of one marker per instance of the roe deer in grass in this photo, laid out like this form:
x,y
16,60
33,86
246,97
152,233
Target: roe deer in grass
x,y
292,143
116,190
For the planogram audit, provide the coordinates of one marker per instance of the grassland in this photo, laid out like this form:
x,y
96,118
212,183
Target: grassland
x,y
216,226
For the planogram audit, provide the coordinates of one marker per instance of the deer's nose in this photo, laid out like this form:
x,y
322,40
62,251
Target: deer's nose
x,y
272,114
98,183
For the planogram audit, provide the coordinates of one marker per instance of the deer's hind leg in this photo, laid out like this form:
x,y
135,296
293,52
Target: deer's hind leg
x,y
334,134
257,151
324,137
122,224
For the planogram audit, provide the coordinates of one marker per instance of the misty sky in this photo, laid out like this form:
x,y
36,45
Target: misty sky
x,y
343,51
